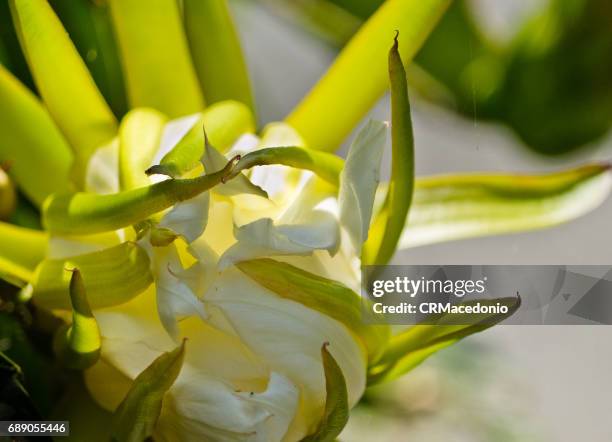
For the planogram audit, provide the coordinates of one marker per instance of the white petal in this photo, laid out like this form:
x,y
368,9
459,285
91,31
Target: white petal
x,y
288,336
188,218
175,300
359,180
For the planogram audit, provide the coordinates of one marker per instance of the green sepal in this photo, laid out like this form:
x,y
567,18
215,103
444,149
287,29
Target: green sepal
x,y
22,250
321,294
225,122
408,349
114,276
78,345
216,52
388,224
336,413
155,56
63,81
136,417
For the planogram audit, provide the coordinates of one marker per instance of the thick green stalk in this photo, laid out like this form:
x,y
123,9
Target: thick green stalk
x,y
358,77
326,165
83,213
155,56
31,146
64,83
389,222
216,52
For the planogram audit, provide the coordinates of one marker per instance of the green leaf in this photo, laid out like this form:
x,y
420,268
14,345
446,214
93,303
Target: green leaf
x,y
321,294
155,56
135,419
225,122
411,347
30,144
139,136
463,206
62,78
114,276
84,213
336,413
216,52
78,345
89,26
358,77
389,222
22,250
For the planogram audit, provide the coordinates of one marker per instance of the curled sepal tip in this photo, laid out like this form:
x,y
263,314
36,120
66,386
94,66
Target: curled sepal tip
x,y
77,345
137,415
336,412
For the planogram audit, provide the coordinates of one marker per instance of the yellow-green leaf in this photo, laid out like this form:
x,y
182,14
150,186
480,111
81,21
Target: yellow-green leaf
x,y
155,56
389,222
336,413
411,347
358,77
21,250
225,122
62,78
216,52
113,276
36,151
135,418
463,206
324,295
78,345
139,136
84,213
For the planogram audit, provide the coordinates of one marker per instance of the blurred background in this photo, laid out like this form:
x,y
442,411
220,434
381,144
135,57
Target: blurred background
x,y
502,85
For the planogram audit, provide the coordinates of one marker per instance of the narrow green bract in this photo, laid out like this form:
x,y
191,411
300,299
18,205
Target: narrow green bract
x,y
155,56
64,83
224,122
336,413
389,222
32,147
321,294
411,347
216,52
135,419
78,345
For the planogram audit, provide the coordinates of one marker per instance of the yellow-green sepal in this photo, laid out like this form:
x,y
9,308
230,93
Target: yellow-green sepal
x,y
321,294
409,348
114,276
389,222
78,345
336,412
136,417
225,122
